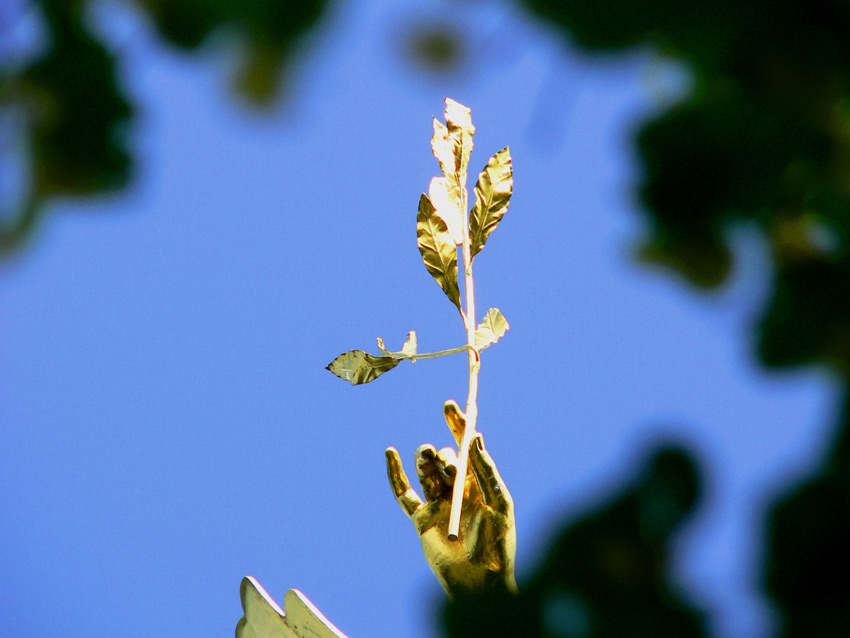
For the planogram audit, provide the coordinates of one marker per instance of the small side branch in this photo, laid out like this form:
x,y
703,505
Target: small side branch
x,y
433,355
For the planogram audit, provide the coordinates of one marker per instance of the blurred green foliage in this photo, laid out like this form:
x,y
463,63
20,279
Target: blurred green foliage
x,y
764,138
77,112
271,28
76,136
806,563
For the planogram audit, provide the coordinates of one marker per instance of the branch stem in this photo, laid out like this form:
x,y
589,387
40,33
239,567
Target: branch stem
x,y
430,355
474,366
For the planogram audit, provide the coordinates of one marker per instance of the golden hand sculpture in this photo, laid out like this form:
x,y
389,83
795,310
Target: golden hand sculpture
x,y
483,555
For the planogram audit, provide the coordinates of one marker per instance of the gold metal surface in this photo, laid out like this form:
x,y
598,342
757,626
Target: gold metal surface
x,y
437,248
483,555
492,195
265,619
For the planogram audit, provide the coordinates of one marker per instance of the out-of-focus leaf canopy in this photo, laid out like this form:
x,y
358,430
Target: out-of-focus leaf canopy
x,y
764,138
77,112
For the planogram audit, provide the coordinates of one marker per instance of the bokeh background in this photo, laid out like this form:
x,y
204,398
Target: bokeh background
x,y
204,203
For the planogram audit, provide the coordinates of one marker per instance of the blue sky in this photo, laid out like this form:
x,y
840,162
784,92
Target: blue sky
x,y
167,423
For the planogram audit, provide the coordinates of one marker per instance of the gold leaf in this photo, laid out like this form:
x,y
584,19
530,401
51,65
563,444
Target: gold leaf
x,y
460,128
458,116
441,146
492,194
492,328
359,367
445,197
411,344
409,348
438,249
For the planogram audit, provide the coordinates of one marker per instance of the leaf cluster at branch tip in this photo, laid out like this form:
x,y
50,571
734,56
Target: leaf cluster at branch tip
x,y
442,225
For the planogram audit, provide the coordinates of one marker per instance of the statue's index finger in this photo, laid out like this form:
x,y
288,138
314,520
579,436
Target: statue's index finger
x,y
456,420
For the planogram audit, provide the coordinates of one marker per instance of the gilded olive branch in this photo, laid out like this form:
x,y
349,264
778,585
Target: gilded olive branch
x,y
444,222
492,194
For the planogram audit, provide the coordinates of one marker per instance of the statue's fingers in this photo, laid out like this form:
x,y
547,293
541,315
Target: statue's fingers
x,y
447,465
494,492
428,470
447,462
406,496
456,420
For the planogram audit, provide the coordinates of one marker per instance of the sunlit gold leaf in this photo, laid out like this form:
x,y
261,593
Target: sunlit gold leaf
x,y
442,147
459,124
492,328
359,367
459,116
492,194
445,196
411,344
438,249
409,348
